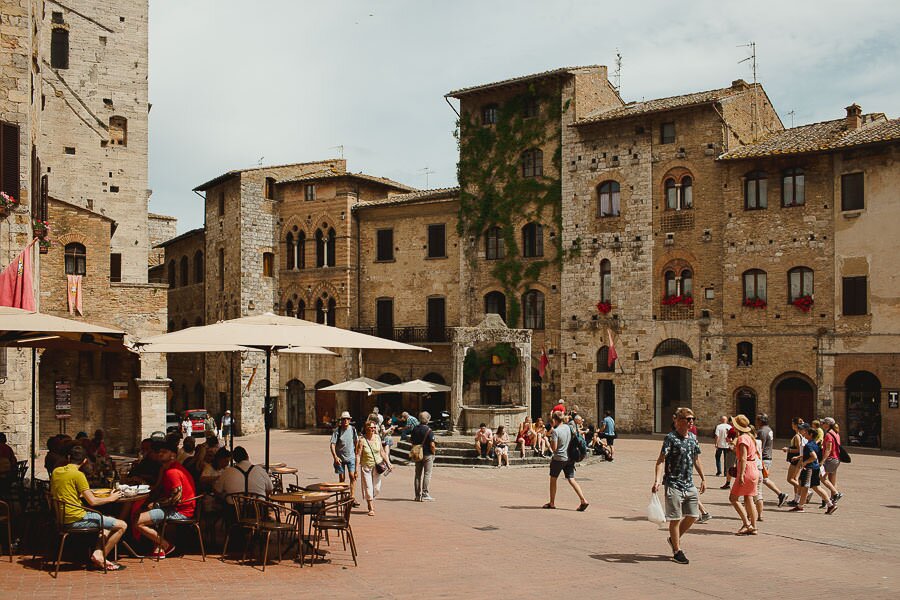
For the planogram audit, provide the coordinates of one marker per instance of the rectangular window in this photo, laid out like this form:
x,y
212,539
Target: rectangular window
x,y
384,318
268,264
385,245
436,310
309,192
667,133
9,159
221,269
222,203
489,114
59,48
852,192
269,188
115,267
437,241
855,296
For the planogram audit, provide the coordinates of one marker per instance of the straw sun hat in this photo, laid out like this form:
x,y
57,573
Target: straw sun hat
x,y
741,423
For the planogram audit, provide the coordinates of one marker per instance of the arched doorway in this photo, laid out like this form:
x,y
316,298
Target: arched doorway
x,y
436,402
671,389
393,402
606,399
745,403
794,397
296,404
537,399
325,405
863,409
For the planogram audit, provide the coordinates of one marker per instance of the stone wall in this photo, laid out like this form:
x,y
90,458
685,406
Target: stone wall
x,y
159,229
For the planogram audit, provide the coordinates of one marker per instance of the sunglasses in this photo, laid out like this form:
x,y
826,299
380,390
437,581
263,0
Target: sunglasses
x,y
687,418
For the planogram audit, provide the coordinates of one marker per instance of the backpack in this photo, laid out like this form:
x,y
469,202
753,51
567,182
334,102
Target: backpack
x,y
340,440
577,445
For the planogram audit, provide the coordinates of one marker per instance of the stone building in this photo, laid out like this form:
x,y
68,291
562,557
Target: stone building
x,y
74,114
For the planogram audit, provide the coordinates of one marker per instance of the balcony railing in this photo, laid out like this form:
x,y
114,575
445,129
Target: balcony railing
x,y
409,335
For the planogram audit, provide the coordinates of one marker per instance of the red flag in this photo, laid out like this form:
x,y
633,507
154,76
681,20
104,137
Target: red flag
x,y
16,287
611,355
542,365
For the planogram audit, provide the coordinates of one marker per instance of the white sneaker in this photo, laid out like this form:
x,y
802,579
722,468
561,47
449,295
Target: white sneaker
x,y
427,499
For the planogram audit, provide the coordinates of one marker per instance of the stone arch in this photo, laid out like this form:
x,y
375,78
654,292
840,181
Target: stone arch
x,y
677,173
746,402
320,288
73,236
793,395
291,222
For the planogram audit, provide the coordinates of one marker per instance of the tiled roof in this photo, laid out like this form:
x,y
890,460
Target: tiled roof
x,y
438,194
234,172
178,238
545,74
819,137
329,174
663,104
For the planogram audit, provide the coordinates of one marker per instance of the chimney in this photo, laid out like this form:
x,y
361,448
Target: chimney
x,y
740,85
854,117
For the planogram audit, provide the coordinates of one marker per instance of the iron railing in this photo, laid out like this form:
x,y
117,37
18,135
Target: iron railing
x,y
408,335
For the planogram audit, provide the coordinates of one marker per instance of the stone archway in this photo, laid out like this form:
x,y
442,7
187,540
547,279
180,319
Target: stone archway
x,y
296,404
745,403
794,397
671,390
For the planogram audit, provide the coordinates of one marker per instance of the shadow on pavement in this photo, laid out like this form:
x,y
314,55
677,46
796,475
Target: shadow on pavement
x,y
630,558
396,500
630,518
526,507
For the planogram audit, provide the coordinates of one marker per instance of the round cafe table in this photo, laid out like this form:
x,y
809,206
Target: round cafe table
x,y
124,503
278,474
298,500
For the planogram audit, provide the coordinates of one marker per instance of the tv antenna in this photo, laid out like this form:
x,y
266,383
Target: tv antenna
x,y
338,147
754,103
260,161
617,74
426,171
791,113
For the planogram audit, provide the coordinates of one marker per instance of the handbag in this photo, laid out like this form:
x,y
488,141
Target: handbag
x,y
732,471
380,467
843,455
416,453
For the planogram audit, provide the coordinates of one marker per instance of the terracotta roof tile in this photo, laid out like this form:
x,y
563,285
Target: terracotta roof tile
x,y
330,174
819,137
521,79
438,194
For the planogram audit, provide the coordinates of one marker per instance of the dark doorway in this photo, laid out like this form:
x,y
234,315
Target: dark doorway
x,y
384,318
437,402
606,399
671,390
296,404
491,389
537,398
745,403
437,319
794,397
863,409
326,404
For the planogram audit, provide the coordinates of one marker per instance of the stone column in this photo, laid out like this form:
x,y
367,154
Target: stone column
x,y
524,349
457,356
152,407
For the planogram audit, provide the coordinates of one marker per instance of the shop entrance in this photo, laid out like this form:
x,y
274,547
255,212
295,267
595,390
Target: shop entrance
x,y
296,404
863,409
606,399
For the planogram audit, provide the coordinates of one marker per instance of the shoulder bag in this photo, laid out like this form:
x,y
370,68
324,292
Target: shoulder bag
x,y
843,455
380,467
417,452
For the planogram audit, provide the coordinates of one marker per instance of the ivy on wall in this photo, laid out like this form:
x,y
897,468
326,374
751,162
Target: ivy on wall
x,y
498,361
493,191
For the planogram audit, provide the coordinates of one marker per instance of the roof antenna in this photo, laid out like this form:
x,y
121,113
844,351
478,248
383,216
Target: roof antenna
x,y
754,105
338,147
791,113
259,162
427,172
617,74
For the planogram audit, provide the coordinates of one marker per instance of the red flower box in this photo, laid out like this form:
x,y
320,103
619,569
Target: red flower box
x,y
755,303
804,303
677,299
604,307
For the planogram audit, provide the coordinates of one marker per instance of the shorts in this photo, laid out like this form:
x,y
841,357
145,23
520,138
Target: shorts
x,y
558,466
680,504
92,520
501,449
610,438
729,459
831,465
345,466
767,465
158,514
809,477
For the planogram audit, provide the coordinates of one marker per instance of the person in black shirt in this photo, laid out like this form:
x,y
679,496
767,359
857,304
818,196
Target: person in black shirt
x,y
422,434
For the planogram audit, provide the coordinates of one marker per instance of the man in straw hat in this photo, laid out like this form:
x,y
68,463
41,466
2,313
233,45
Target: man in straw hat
x,y
679,456
343,451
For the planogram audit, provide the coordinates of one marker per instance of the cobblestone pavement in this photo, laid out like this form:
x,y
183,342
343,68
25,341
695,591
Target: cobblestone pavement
x,y
486,531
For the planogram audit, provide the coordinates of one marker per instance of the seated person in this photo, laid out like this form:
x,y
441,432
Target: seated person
x,y
484,441
589,431
243,477
542,441
526,437
211,473
8,464
203,454
56,454
187,449
410,423
99,445
174,501
501,446
68,484
147,469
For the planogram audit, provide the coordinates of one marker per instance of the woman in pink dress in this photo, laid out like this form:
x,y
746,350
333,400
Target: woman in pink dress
x,y
746,478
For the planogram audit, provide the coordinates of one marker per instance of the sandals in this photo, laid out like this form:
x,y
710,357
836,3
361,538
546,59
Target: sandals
x,y
549,506
583,506
371,513
746,530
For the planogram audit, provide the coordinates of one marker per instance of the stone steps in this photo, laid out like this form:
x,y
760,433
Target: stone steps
x,y
461,453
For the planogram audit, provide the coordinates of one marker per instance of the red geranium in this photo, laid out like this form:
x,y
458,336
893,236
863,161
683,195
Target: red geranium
x,y
804,303
755,303
604,307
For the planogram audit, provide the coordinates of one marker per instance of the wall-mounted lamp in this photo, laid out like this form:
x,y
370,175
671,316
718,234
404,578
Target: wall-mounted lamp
x,y
343,215
574,356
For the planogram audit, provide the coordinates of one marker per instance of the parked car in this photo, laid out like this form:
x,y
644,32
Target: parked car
x,y
198,421
172,422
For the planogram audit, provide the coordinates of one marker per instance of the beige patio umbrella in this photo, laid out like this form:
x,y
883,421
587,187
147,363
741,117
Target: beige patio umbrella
x,y
269,333
25,328
360,384
416,386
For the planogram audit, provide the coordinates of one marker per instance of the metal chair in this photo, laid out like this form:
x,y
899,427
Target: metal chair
x,y
340,521
64,530
193,522
277,519
6,517
246,517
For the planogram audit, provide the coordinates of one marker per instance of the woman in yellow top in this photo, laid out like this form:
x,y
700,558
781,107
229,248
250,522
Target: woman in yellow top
x,y
373,460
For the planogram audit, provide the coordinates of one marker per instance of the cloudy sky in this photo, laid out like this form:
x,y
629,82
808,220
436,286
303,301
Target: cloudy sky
x,y
292,80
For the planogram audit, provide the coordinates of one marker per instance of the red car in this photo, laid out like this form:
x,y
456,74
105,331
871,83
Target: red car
x,y
198,421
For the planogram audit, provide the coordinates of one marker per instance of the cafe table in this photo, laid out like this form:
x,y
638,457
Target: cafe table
x,y
298,500
124,503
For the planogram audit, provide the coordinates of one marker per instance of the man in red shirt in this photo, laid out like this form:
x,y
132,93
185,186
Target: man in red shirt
x,y
176,493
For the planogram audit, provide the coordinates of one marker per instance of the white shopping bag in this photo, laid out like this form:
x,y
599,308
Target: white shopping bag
x,y
655,513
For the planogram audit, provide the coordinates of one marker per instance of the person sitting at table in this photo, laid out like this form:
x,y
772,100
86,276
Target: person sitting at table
x,y
174,502
212,471
68,484
8,464
147,469
188,447
56,454
99,445
243,477
203,454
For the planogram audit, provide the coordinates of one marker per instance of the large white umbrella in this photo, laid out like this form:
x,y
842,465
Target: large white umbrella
x,y
416,386
360,384
270,333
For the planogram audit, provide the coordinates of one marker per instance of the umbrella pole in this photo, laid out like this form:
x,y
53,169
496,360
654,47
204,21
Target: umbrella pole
x,y
231,429
33,409
266,412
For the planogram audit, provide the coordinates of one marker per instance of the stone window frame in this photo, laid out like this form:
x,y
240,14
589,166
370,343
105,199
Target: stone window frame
x,y
789,181
490,113
744,354
603,361
326,310
850,288
800,271
681,285
268,264
382,244
199,266
532,162
494,244
184,275
846,199
613,196
269,188
119,124
537,319
326,239
532,240
494,294
59,46
309,192
681,183
757,181
431,250
294,247
664,129
75,259
757,275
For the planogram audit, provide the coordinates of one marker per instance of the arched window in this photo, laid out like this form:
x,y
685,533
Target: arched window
x,y
755,190
608,199
321,248
605,281
744,354
198,266
494,247
532,240
800,283
533,309
320,311
495,302
673,347
603,361
331,315
118,131
301,309
671,194
290,252
185,275
793,187
76,259
687,192
671,283
59,48
687,283
301,250
754,285
172,278
330,246
532,163
679,194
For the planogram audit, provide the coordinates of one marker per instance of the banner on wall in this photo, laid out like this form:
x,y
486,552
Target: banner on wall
x,y
120,390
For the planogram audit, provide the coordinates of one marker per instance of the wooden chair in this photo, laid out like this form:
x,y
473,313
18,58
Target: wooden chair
x,y
64,530
324,521
193,522
6,517
280,520
246,518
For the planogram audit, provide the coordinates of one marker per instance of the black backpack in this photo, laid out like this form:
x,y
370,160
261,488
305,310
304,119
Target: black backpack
x,y
578,448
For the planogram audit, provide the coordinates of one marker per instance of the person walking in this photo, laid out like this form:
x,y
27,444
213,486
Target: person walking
x,y
721,435
424,435
560,462
831,450
747,477
792,451
374,462
608,430
227,422
809,473
343,452
679,457
766,437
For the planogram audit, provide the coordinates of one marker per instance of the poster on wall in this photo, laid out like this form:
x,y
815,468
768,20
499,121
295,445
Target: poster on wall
x,y
894,399
63,398
120,390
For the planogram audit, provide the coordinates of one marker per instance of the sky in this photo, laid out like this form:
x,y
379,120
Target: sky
x,y
237,83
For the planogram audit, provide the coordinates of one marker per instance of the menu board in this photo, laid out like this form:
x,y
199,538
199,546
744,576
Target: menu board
x,y
63,395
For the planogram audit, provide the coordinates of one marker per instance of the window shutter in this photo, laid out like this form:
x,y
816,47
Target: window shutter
x,y
436,246
115,267
852,192
854,293
9,160
385,249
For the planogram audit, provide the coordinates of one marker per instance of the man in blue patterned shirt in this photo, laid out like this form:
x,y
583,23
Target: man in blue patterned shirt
x,y
679,456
